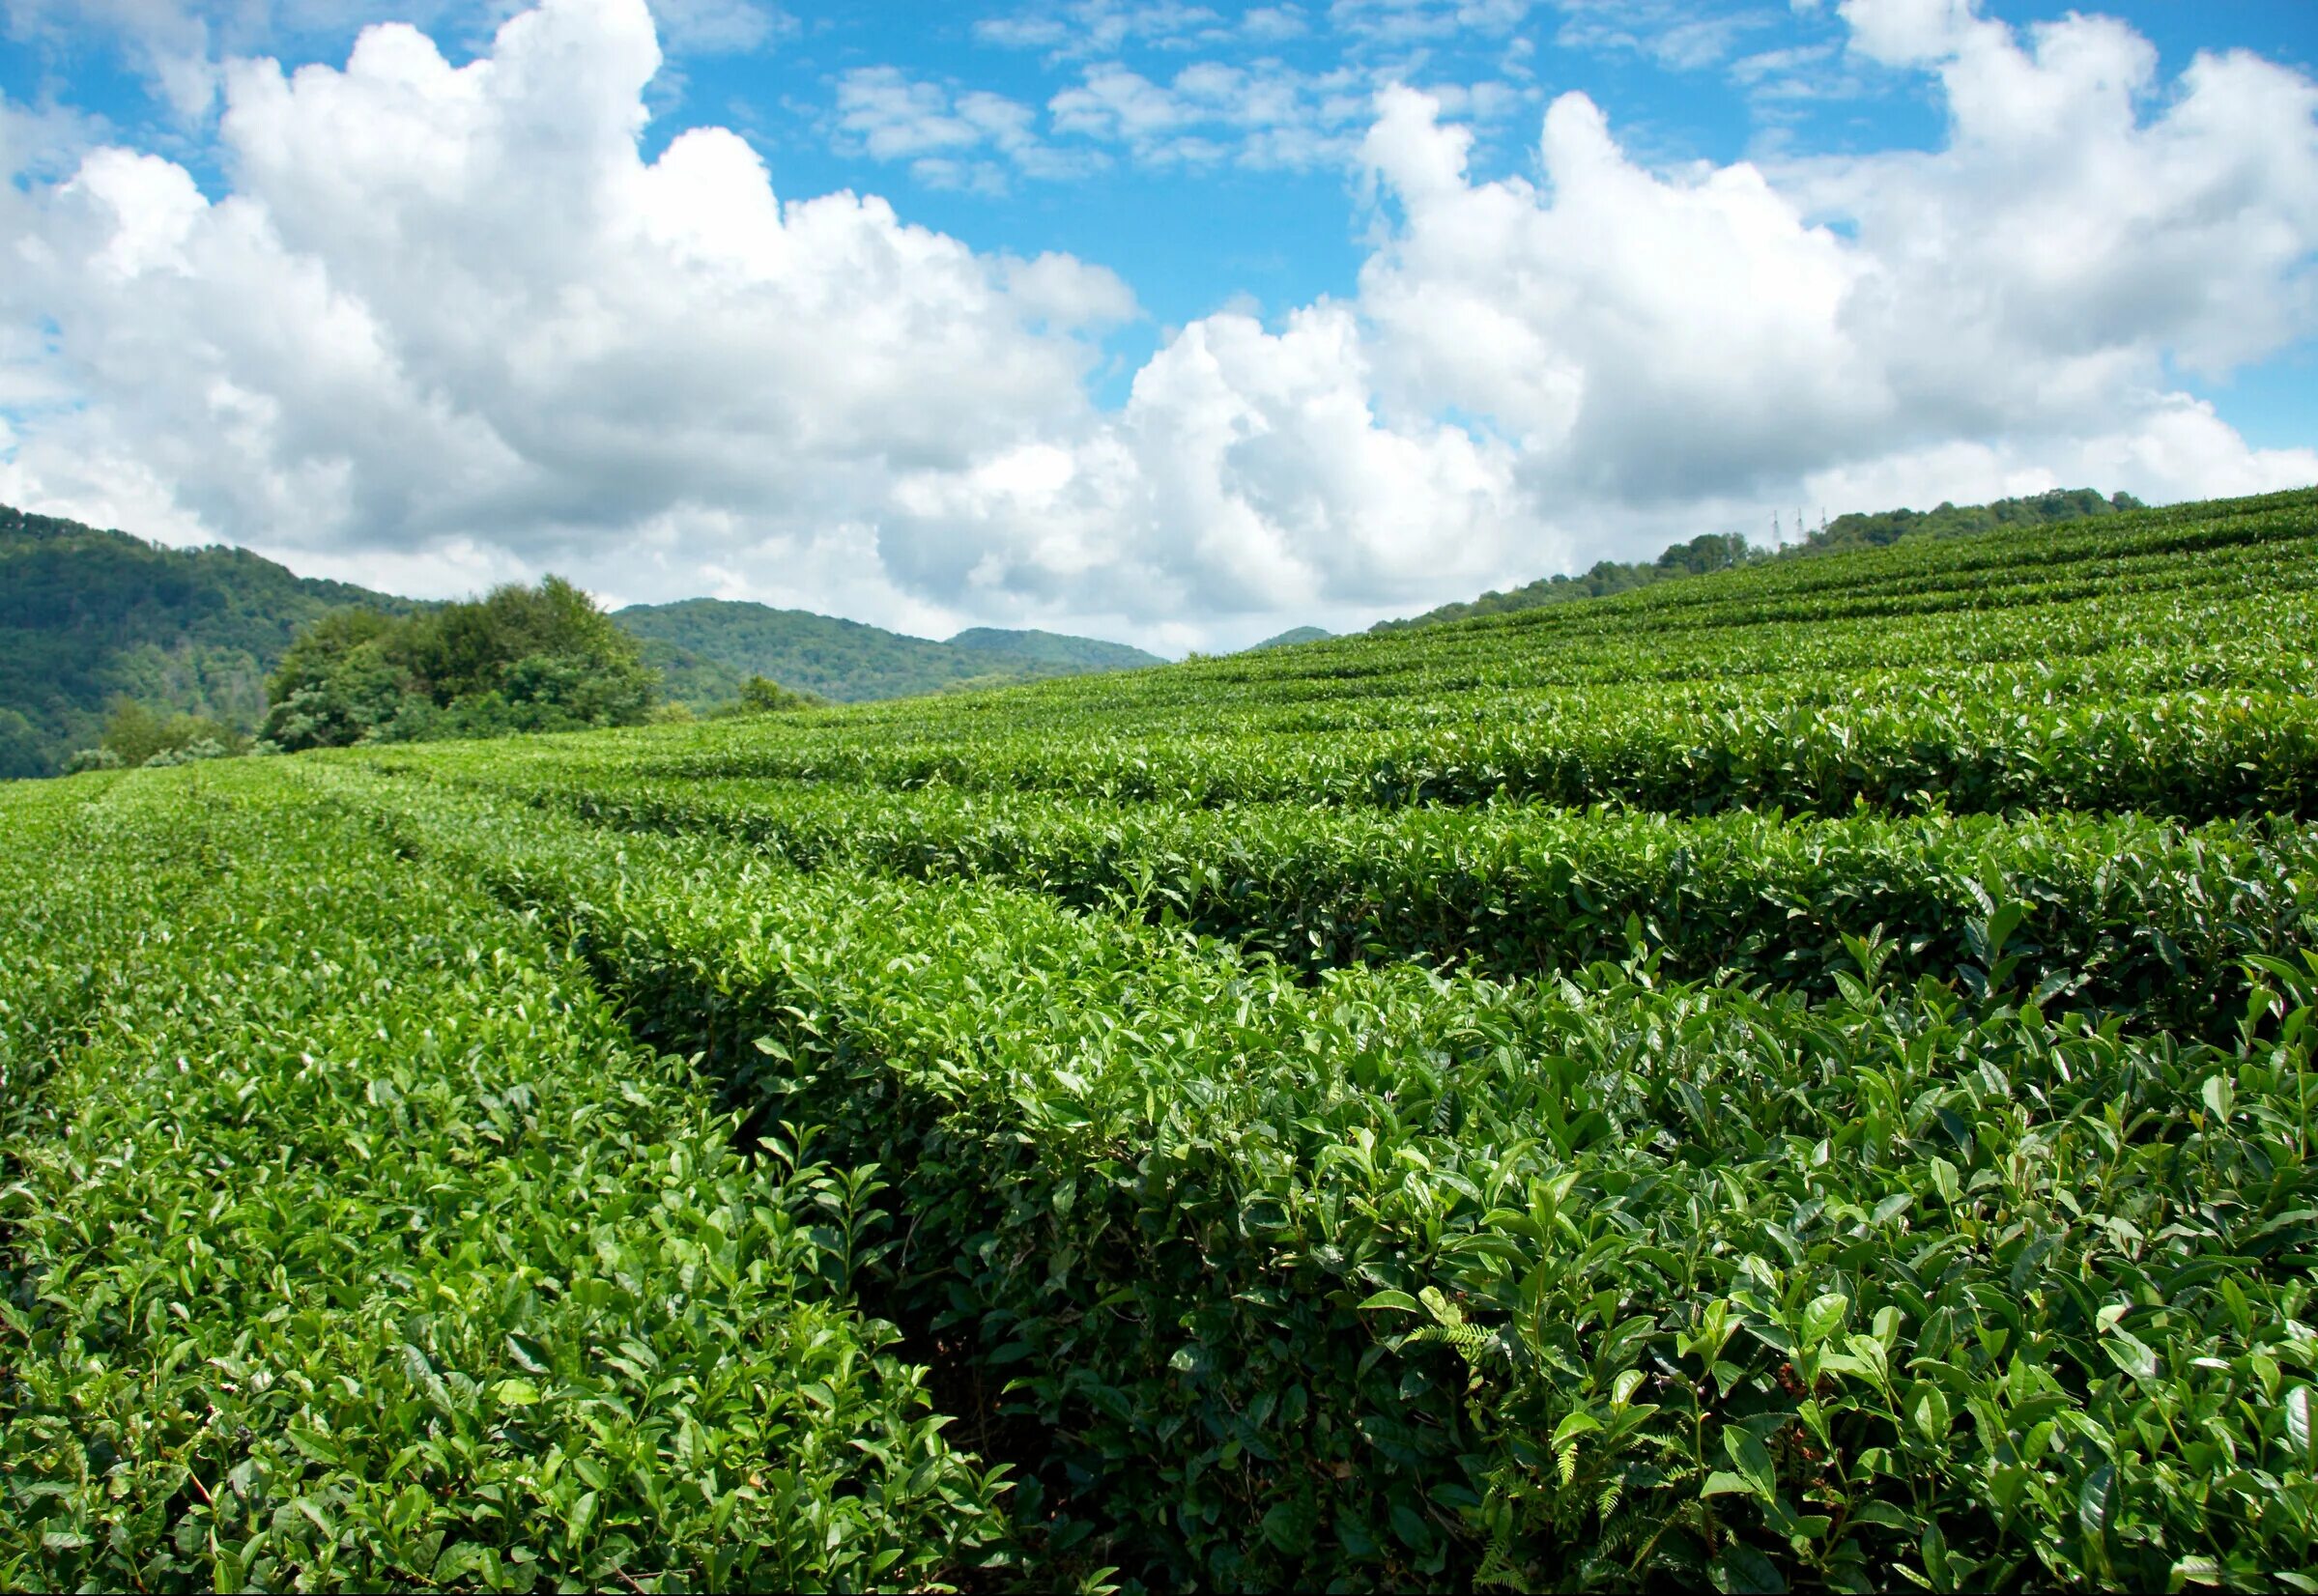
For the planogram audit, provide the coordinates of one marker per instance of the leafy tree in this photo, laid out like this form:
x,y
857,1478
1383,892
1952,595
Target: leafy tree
x,y
335,686
88,616
764,696
520,659
23,751
137,734
1707,552
1885,526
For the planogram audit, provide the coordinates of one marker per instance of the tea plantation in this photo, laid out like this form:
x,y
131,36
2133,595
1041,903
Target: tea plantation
x,y
1796,1078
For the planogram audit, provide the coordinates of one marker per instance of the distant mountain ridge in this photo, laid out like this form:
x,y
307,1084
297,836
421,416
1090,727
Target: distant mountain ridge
x,y
88,616
1290,639
1054,648
706,648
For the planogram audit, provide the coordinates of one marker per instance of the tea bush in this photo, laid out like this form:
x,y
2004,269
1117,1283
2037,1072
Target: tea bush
x,y
369,1250
1791,1078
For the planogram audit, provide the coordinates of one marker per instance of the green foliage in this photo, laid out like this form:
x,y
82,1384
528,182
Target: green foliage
x,y
1290,637
1627,1205
1050,654
2153,661
88,617
761,695
1855,1137
1706,551
135,736
23,751
364,1248
692,680
1723,551
1869,530
521,659
2125,912
715,645
336,684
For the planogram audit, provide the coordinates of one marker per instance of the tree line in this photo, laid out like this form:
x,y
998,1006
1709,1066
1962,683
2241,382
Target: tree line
x,y
1721,551
539,658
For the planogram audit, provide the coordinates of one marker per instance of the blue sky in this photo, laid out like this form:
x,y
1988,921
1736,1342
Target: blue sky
x,y
1275,373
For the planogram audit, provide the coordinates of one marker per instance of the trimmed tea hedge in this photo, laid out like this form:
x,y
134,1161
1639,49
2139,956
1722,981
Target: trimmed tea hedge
x,y
1397,1280
368,1250
2152,918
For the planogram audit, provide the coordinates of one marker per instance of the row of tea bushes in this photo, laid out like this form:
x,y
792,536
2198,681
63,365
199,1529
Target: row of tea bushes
x,y
1611,1280
2194,756
360,1245
2121,913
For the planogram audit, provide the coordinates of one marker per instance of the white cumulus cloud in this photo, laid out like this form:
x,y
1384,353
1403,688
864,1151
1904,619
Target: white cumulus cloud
x,y
444,324
446,304
1681,337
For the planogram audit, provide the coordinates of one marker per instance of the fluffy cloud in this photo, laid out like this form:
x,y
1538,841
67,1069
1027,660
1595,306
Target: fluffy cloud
x,y
1248,474
449,315
1069,29
181,45
453,303
1404,21
447,325
1717,333
1674,33
721,27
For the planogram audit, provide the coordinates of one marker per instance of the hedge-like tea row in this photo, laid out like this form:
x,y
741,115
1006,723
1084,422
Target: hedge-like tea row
x,y
45,955
2223,633
2120,912
365,1248
2192,756
1398,1280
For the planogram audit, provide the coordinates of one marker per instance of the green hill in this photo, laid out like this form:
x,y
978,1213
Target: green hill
x,y
846,661
88,614
1290,639
1073,656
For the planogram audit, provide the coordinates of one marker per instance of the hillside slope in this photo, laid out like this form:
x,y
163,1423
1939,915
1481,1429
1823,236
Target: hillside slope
x,y
1290,639
850,661
1068,655
86,613
1720,551
88,616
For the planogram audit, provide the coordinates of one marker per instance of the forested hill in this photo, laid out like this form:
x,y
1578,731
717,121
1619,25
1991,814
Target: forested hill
x,y
1068,655
1290,639
1720,551
90,617
86,615
846,661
